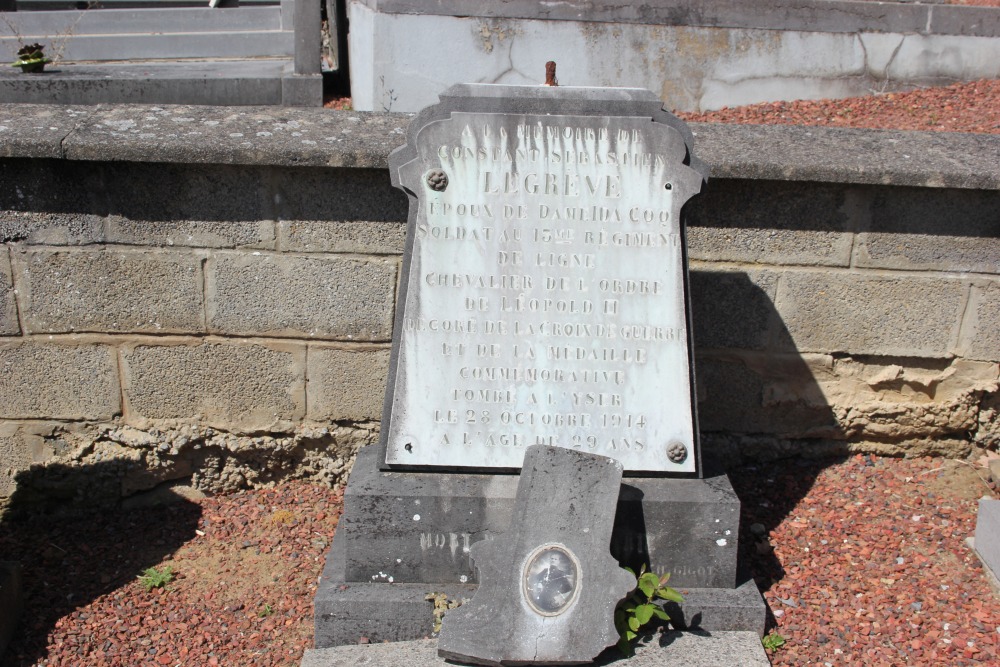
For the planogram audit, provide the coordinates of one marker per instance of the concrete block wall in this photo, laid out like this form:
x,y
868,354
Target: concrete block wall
x,y
221,312
827,348
208,296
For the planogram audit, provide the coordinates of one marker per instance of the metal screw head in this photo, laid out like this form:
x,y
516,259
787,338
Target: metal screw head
x,y
437,180
677,452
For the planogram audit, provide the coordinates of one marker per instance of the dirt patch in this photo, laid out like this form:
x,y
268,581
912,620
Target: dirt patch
x,y
958,480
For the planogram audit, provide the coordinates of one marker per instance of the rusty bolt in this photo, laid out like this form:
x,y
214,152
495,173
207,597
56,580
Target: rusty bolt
x,y
550,74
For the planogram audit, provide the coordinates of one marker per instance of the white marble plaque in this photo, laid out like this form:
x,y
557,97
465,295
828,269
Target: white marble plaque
x,y
545,298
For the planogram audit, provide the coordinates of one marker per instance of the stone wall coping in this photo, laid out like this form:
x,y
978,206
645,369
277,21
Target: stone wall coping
x,y
304,137
927,18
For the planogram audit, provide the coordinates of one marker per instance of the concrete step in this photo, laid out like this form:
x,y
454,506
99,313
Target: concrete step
x,y
276,43
236,83
35,5
46,24
671,649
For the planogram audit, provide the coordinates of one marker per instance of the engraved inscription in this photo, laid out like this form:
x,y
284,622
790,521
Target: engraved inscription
x,y
545,300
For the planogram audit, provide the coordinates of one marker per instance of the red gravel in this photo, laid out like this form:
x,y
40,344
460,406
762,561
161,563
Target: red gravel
x,y
963,107
870,565
246,571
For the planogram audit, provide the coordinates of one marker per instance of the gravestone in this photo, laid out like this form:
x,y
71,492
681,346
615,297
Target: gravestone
x,y
549,585
543,301
987,536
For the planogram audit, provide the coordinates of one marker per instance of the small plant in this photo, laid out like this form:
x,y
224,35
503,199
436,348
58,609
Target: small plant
x,y
282,517
154,578
441,606
265,611
639,607
31,58
772,642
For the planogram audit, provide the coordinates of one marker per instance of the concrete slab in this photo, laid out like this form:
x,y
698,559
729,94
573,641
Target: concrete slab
x,y
249,135
36,130
233,83
671,649
267,136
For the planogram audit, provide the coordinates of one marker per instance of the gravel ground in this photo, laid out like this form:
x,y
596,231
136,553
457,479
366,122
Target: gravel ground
x,y
963,107
863,561
869,563
246,567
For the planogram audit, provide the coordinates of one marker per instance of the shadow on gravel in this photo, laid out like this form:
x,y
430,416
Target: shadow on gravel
x,y
74,546
769,493
760,407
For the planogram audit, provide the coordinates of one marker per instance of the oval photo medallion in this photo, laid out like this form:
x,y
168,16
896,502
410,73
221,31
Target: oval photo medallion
x,y
550,579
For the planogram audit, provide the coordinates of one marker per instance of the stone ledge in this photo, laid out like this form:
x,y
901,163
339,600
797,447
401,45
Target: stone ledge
x,y
274,136
928,18
671,649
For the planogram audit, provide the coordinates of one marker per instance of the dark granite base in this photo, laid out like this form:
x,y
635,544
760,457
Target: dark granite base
x,y
404,535
413,527
346,612
719,609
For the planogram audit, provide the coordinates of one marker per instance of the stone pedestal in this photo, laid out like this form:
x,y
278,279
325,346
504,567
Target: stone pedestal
x,y
404,535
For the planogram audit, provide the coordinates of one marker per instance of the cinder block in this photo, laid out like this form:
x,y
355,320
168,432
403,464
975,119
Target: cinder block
x,y
915,228
320,297
110,290
361,236
762,393
55,202
214,206
237,386
732,309
772,222
192,233
338,193
981,334
864,314
21,444
8,306
58,381
346,384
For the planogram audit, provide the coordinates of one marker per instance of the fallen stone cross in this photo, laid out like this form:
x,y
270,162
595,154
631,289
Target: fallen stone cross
x,y
548,586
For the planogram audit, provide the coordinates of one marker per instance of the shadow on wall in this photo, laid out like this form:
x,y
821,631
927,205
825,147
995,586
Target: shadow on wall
x,y
72,551
64,202
748,396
